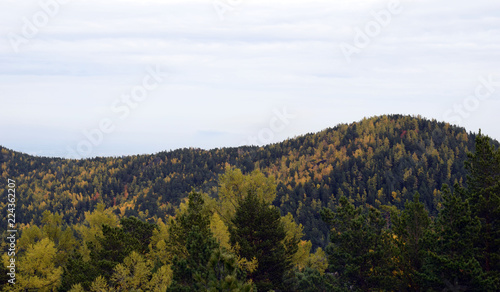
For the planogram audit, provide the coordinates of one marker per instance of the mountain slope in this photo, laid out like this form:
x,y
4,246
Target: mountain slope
x,y
378,161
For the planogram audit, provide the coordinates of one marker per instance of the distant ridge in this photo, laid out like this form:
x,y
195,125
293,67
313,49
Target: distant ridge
x,y
381,160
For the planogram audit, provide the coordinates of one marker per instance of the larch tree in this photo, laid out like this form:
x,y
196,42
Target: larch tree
x,y
37,270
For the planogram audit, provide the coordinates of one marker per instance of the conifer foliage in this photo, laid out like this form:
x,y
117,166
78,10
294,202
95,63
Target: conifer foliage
x,y
483,192
257,232
367,208
359,251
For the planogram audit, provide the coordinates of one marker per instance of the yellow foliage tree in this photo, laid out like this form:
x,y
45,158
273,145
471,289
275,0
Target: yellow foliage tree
x,y
92,227
295,231
234,186
318,260
77,288
37,270
161,279
220,231
158,251
99,285
132,273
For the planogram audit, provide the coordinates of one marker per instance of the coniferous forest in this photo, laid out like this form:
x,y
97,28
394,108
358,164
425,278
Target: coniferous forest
x,y
389,203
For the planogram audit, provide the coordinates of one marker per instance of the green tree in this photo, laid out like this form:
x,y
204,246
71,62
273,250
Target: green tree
x,y
450,261
107,251
225,274
118,242
312,280
191,233
483,190
78,271
359,250
258,232
411,229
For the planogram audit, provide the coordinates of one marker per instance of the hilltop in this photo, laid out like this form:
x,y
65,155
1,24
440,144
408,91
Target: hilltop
x,y
377,161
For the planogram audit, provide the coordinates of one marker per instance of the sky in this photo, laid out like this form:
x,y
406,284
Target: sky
x,y
109,78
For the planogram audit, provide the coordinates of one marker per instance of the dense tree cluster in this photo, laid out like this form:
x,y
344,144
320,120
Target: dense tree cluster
x,y
203,247
391,203
380,161
409,250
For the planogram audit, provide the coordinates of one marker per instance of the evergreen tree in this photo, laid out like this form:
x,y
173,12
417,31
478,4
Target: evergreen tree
x,y
258,232
311,280
359,251
118,242
225,274
483,190
411,230
78,271
109,250
192,229
450,262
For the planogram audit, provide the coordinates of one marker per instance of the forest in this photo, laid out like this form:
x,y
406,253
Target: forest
x,y
389,203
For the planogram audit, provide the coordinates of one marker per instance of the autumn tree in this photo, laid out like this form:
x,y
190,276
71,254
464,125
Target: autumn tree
x,y
133,274
37,269
106,250
91,229
234,186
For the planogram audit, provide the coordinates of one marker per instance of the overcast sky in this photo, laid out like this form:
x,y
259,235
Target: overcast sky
x,y
106,78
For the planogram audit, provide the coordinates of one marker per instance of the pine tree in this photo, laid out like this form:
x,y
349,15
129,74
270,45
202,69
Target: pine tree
x,y
258,232
483,190
118,242
192,230
450,261
78,271
107,251
411,230
358,251
311,280
225,274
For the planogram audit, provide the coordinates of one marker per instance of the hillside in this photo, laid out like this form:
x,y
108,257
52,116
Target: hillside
x,y
378,161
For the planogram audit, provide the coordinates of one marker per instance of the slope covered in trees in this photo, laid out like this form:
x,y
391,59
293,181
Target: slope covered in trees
x,y
380,161
239,241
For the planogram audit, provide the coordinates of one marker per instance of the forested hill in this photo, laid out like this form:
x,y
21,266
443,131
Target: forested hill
x,y
378,161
